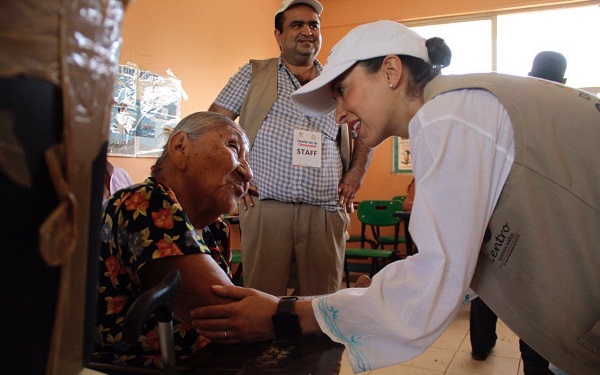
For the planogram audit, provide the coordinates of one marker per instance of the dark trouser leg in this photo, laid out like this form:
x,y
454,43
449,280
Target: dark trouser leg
x,y
483,329
532,361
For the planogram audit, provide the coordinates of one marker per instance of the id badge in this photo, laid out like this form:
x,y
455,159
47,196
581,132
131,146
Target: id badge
x,y
307,149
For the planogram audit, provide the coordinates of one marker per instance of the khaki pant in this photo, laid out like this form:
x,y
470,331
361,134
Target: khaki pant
x,y
275,234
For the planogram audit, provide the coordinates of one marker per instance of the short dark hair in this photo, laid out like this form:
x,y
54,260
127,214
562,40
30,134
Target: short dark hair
x,y
279,21
549,65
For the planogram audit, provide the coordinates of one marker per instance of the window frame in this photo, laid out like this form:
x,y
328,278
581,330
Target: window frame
x,y
401,145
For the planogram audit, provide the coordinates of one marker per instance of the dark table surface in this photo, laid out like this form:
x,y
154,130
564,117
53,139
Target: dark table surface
x,y
309,355
316,355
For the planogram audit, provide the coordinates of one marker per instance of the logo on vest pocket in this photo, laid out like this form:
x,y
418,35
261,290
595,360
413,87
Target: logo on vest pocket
x,y
502,245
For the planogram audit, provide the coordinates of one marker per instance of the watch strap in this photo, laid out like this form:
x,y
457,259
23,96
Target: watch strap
x,y
286,305
285,323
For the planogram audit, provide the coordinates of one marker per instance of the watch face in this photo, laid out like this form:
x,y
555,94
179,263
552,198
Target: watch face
x,y
286,326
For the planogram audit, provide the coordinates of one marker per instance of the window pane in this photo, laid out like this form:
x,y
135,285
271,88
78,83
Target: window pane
x,y
470,42
570,31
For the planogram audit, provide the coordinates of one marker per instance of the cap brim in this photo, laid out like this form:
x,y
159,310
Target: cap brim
x,y
314,99
312,3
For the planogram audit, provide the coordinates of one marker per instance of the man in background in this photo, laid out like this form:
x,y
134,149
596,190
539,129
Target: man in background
x,y
115,179
295,209
549,65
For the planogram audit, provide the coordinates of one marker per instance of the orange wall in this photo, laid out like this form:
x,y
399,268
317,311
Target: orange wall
x,y
204,43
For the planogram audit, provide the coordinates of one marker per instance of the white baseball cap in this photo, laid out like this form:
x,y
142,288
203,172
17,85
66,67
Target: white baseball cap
x,y
288,3
375,39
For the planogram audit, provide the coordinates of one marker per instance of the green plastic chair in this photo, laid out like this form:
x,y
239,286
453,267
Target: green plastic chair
x,y
378,259
400,198
410,249
378,214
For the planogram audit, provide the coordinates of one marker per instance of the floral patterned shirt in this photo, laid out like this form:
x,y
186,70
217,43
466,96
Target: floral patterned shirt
x,y
140,223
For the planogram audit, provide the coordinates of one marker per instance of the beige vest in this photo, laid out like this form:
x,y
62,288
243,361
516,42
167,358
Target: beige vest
x,y
540,273
262,94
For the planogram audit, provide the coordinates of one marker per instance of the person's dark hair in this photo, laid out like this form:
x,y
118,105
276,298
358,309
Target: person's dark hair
x,y
421,71
195,125
279,21
549,65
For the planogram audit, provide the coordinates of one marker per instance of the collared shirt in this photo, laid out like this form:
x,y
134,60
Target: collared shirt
x,y
463,136
271,154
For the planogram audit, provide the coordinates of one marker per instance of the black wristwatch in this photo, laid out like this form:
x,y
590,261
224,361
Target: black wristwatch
x,y
285,322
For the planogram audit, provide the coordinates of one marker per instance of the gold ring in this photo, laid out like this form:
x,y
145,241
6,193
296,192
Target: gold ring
x,y
225,334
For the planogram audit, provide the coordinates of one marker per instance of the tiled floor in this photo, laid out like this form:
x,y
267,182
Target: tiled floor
x,y
451,354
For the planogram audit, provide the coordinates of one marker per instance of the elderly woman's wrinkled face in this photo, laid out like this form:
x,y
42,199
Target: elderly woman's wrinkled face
x,y
219,167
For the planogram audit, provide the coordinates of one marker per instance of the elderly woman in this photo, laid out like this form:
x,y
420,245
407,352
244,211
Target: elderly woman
x,y
150,228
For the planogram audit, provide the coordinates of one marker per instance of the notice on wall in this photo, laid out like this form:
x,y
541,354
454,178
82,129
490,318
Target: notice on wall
x,y
402,159
147,108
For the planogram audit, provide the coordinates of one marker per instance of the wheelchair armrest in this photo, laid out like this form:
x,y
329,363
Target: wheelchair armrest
x,y
156,300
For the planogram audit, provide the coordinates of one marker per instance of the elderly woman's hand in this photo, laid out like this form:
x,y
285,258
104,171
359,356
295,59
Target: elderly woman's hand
x,y
247,320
